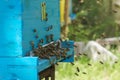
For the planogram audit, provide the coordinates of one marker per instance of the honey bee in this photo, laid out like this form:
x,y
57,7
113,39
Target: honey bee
x,y
84,73
72,63
101,62
89,64
116,62
78,69
99,53
57,64
76,74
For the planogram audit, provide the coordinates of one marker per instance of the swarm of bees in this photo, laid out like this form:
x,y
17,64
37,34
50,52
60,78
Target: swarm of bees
x,y
49,50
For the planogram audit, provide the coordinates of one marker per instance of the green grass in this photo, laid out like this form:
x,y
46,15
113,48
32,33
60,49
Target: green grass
x,y
98,71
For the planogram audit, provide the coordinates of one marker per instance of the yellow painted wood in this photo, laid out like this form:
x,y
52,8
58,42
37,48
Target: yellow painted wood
x,y
62,11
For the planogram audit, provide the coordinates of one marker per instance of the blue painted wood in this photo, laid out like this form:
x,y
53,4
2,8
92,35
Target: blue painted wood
x,y
32,20
10,28
70,45
18,20
18,68
25,68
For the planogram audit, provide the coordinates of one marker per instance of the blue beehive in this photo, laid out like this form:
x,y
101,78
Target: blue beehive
x,y
11,25
20,18
25,24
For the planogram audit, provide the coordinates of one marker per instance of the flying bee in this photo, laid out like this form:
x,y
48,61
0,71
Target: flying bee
x,y
103,35
34,30
85,54
76,58
72,63
98,52
84,72
47,56
89,64
116,62
32,44
76,74
115,11
57,64
78,70
80,54
101,62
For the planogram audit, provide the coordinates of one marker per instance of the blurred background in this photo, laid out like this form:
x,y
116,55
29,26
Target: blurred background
x,y
89,19
85,20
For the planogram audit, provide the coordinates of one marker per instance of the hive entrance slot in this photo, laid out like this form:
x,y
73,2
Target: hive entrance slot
x,y
48,74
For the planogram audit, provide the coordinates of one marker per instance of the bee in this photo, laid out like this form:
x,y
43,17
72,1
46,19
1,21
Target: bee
x,y
64,56
115,11
34,30
80,54
41,41
76,58
51,54
78,70
103,35
40,56
116,62
57,64
32,44
85,54
76,74
89,64
99,53
72,63
101,62
84,72
35,51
